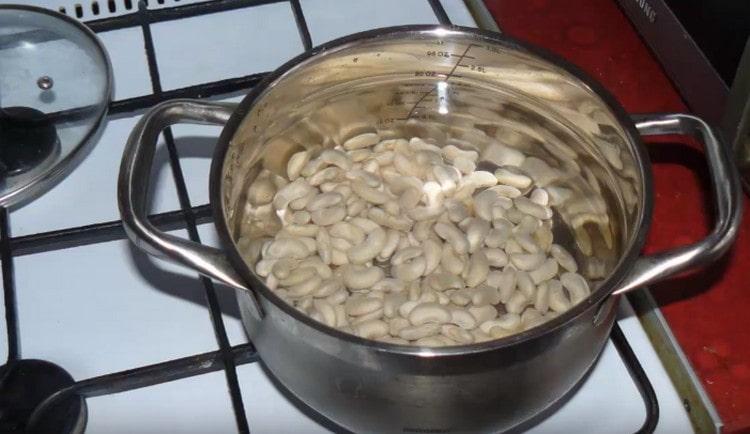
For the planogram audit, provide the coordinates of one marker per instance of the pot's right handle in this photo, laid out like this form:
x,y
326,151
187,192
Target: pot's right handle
x,y
727,198
132,189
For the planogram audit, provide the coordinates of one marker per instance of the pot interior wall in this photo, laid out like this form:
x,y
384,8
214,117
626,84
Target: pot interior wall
x,y
511,106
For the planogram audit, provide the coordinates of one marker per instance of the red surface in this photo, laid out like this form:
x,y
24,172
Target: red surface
x,y
709,311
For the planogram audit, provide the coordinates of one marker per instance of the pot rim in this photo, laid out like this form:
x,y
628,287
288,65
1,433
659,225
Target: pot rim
x,y
623,267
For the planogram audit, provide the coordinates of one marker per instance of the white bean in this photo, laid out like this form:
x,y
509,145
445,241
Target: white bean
x,y
461,297
432,255
540,196
369,194
361,277
327,288
372,329
546,271
391,242
406,254
348,231
358,155
397,324
298,275
301,218
369,248
508,176
497,237
485,295
355,207
406,166
341,244
316,263
563,258
431,341
508,322
327,312
447,176
360,305
323,245
527,242
324,200
480,336
451,262
336,158
525,284
389,285
443,281
504,281
478,270
507,191
341,318
325,175
516,303
576,286
483,313
406,307
305,288
541,301
512,247
364,140
412,333
463,319
382,218
531,318
526,206
296,163
287,248
292,191
429,313
483,203
526,261
457,334
391,303
384,158
338,297
376,314
476,232
328,216
454,236
409,198
410,270
452,152
558,301
496,257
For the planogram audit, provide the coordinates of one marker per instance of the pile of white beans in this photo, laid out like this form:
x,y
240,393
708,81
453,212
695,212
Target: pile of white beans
x,y
406,242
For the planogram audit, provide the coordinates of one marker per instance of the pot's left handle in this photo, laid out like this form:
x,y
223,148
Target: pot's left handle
x,y
133,182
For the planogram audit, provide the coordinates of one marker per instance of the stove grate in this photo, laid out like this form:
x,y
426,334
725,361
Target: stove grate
x,y
227,357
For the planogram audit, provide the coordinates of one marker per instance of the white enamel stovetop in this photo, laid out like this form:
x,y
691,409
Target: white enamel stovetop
x,y
103,308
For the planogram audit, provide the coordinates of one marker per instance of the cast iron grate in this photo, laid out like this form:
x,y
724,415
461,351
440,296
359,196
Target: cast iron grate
x,y
227,357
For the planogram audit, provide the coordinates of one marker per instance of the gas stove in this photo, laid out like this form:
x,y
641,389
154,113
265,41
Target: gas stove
x,y
153,348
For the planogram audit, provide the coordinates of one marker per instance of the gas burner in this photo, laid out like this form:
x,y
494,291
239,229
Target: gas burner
x,y
27,138
24,384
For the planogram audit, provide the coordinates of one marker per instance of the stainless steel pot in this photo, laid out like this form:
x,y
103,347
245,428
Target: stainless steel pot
x,y
453,85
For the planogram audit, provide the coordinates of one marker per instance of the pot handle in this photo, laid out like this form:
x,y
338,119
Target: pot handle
x,y
727,198
132,189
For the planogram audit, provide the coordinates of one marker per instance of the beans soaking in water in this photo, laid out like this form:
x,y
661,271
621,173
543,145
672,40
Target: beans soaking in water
x,y
406,242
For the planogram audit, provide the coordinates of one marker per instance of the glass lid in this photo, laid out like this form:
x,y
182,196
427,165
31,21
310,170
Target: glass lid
x,y
55,86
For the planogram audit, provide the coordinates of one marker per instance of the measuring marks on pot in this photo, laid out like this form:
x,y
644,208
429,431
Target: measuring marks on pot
x,y
420,100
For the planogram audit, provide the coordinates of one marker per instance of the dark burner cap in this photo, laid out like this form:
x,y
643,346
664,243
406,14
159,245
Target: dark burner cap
x,y
27,138
24,384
